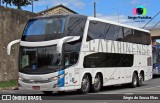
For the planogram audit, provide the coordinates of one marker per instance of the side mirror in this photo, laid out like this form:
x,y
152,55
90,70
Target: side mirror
x,y
10,45
64,40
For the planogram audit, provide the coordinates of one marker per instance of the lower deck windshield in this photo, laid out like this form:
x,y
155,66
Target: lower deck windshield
x,y
39,60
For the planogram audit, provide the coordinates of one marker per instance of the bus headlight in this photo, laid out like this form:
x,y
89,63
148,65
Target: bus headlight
x,y
53,78
56,77
21,79
62,75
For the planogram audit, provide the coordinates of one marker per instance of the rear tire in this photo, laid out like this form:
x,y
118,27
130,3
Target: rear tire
x,y
85,85
48,92
140,80
96,87
134,82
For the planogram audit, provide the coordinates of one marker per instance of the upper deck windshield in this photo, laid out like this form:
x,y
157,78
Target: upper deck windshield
x,y
44,29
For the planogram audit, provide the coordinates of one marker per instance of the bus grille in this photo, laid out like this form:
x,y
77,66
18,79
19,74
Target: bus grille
x,y
35,81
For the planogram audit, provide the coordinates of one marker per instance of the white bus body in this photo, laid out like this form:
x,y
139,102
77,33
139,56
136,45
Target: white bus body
x,y
115,55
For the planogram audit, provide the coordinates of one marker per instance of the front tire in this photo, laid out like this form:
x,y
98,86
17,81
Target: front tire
x,y
96,87
85,85
134,82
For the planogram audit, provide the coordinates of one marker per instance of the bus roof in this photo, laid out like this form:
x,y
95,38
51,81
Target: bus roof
x,y
65,15
93,18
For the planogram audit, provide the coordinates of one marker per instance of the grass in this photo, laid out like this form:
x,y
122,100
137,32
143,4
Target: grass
x,y
10,83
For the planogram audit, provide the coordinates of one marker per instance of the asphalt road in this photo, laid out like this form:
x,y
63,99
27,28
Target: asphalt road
x,y
112,92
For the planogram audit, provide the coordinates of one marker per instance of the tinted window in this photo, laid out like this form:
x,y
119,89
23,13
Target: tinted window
x,y
128,35
141,37
76,26
100,30
71,50
108,60
71,53
113,32
135,36
96,30
70,58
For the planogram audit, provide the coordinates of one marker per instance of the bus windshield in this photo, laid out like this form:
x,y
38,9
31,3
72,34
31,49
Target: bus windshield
x,y
39,60
44,29
156,54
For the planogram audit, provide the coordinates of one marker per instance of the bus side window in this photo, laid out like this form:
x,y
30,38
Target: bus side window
x,y
70,58
76,26
100,30
128,35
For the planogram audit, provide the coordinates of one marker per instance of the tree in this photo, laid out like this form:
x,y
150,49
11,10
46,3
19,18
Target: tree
x,y
19,3
7,2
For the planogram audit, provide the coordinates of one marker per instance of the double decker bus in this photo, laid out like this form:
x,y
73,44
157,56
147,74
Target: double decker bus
x,y
76,52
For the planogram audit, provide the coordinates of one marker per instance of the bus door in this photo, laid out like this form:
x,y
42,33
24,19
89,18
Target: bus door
x,y
69,61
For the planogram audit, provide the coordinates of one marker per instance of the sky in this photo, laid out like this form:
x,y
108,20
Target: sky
x,y
113,10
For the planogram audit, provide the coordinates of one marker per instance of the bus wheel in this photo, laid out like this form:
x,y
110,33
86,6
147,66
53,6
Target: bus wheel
x,y
47,92
134,82
85,85
140,80
96,87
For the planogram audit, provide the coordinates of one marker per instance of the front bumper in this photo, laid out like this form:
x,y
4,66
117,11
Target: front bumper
x,y
51,86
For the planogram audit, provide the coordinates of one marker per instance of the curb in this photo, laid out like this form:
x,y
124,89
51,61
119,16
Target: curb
x,y
9,88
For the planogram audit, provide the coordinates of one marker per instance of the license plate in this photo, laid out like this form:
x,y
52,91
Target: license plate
x,y
36,87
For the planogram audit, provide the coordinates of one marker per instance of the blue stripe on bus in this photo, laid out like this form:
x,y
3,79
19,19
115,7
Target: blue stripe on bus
x,y
61,80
